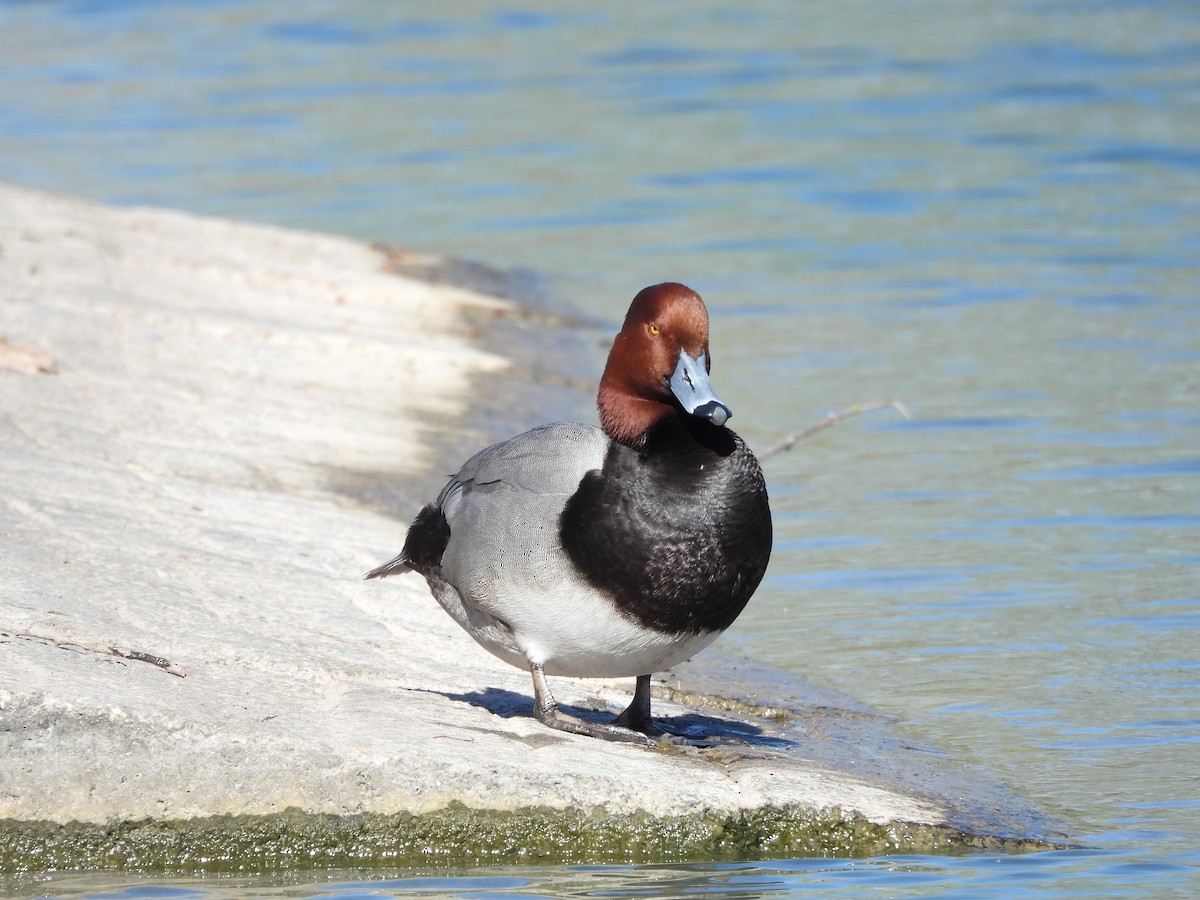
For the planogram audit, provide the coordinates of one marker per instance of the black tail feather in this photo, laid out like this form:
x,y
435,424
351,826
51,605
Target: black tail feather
x,y
423,547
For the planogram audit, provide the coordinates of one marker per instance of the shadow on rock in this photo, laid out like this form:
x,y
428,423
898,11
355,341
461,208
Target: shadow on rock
x,y
695,728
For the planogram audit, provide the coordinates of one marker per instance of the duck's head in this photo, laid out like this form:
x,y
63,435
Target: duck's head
x,y
659,364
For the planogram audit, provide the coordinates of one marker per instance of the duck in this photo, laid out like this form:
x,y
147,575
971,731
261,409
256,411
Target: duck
x,y
610,552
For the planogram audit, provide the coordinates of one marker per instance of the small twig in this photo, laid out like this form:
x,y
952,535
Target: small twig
x,y
103,649
165,664
832,419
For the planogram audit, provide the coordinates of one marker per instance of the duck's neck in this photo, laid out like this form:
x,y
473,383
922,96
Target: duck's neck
x,y
626,417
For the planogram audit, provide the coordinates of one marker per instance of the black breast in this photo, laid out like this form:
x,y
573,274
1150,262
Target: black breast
x,y
678,531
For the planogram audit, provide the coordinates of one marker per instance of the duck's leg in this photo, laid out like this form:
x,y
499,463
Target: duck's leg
x,y
637,715
546,711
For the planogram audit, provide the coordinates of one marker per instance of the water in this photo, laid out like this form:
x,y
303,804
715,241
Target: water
x,y
989,210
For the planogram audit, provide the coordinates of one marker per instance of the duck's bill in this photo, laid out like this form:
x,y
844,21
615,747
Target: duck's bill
x,y
689,384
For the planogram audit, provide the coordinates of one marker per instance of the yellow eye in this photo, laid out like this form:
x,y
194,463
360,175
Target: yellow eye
x,y
653,328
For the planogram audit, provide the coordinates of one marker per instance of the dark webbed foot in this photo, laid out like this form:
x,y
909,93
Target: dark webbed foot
x,y
546,711
637,715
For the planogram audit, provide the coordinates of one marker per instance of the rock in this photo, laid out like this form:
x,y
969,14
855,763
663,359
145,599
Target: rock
x,y
240,423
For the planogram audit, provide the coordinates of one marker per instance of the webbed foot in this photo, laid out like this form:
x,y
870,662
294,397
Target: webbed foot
x,y
546,711
636,716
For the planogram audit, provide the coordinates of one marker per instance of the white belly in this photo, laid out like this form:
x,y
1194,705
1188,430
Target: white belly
x,y
570,630
587,637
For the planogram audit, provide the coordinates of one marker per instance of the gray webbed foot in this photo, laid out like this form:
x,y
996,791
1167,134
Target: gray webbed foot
x,y
546,711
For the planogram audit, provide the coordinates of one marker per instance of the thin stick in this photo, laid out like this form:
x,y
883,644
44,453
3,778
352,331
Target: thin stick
x,y
103,649
139,656
832,419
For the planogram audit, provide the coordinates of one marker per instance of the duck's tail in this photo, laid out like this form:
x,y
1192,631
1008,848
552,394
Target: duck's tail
x,y
423,548
391,567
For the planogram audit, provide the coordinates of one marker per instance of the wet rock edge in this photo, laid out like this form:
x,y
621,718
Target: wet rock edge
x,y
459,836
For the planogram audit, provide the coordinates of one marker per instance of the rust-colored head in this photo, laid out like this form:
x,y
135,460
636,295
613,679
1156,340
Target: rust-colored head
x,y
658,364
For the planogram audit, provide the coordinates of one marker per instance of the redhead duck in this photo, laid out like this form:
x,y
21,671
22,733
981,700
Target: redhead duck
x,y
571,550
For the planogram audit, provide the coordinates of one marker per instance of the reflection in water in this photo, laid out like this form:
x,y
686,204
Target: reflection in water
x,y
983,876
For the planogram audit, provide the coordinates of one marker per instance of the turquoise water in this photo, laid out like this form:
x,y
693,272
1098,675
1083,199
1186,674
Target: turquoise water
x,y
989,210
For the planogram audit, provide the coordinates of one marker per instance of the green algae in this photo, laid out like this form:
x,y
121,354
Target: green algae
x,y
458,836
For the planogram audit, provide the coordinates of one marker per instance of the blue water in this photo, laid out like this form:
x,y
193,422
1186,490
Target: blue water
x,y
980,877
988,210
